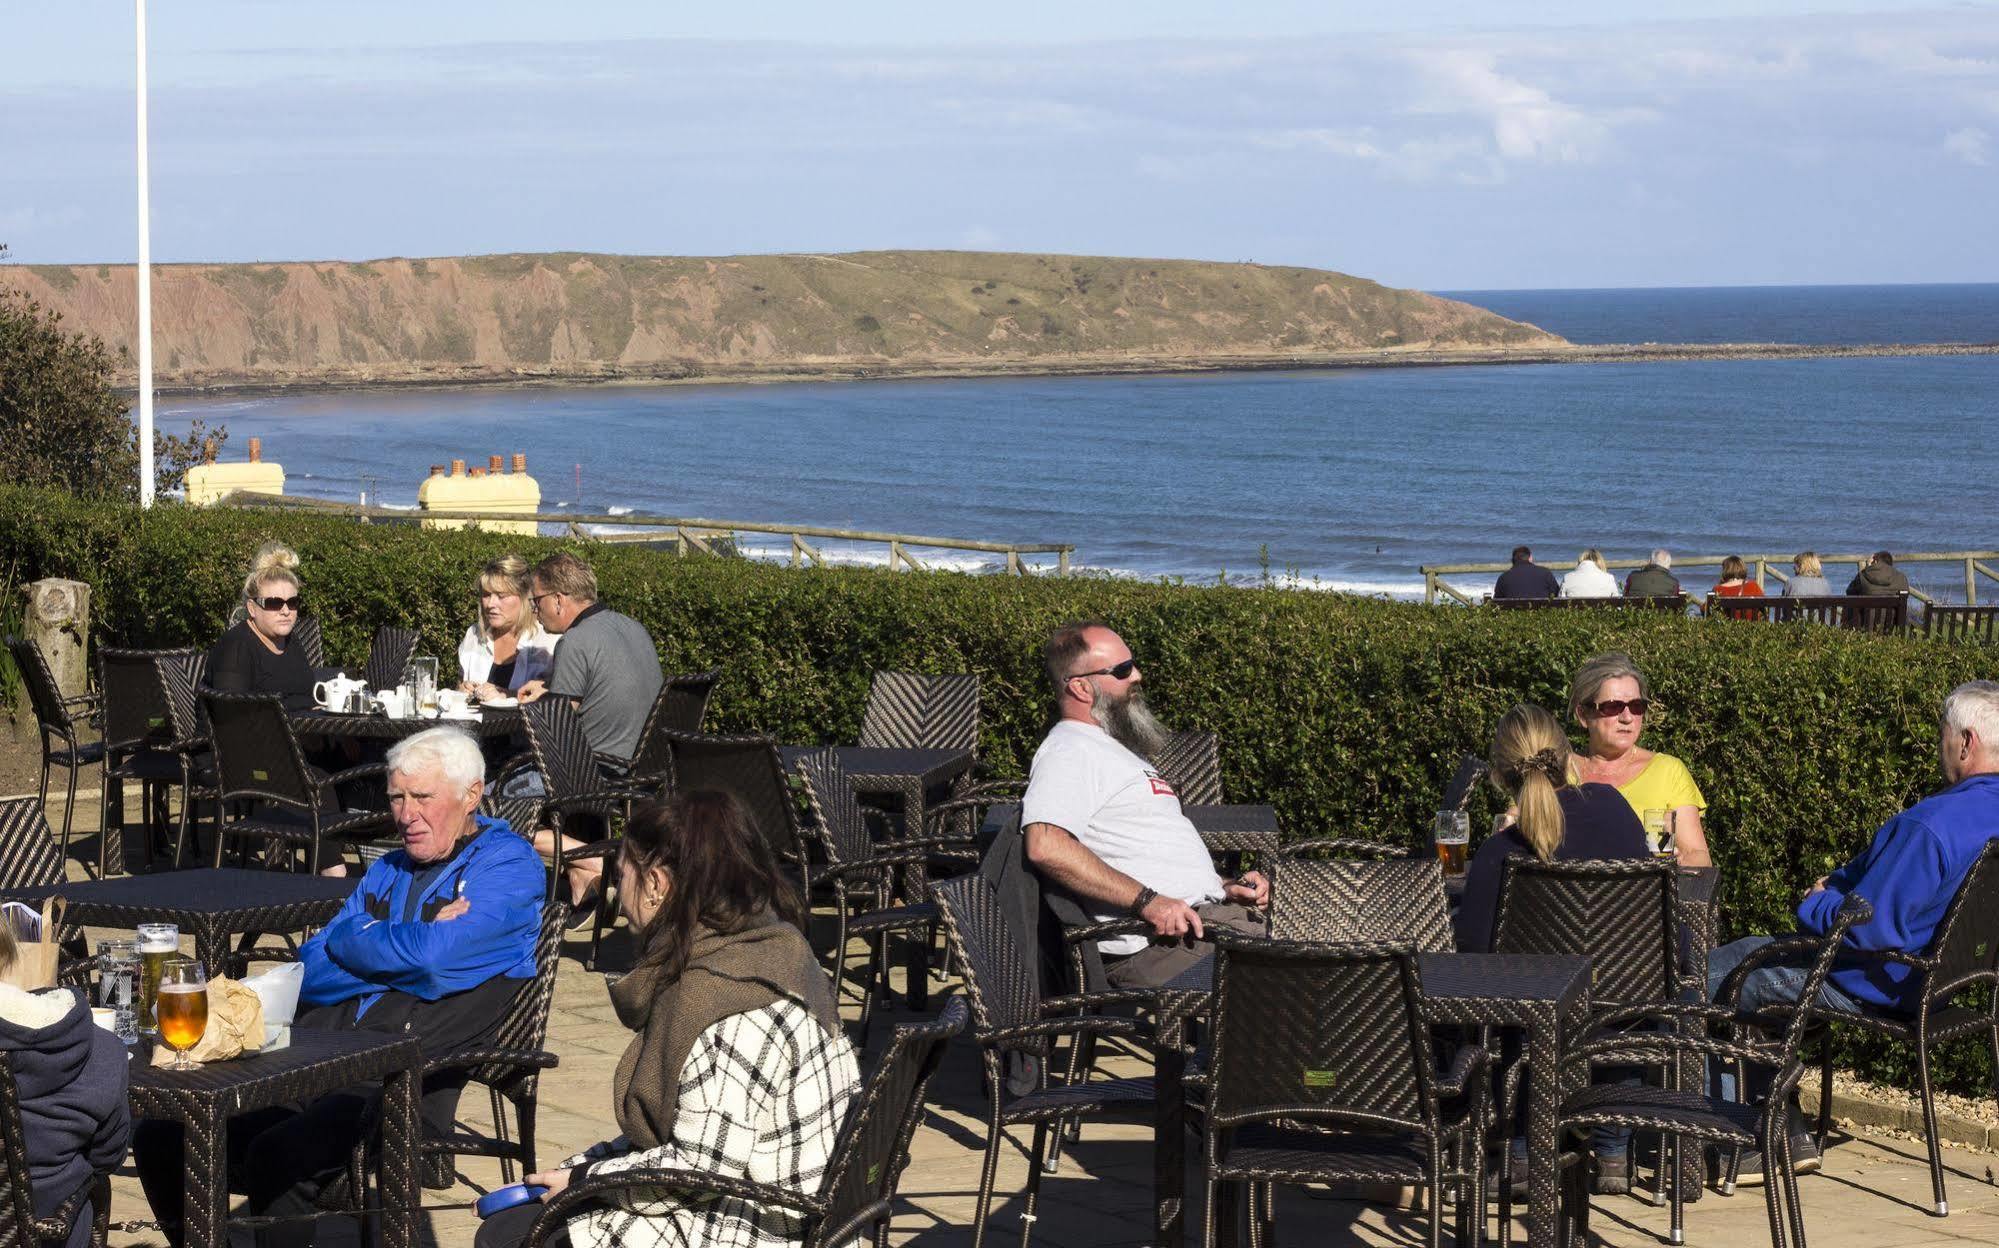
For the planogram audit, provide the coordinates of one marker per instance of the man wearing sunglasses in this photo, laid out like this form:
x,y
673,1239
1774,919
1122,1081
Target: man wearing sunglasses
x,y
1101,822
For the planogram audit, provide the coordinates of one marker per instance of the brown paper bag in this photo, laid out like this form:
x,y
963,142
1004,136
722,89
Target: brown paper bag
x,y
36,961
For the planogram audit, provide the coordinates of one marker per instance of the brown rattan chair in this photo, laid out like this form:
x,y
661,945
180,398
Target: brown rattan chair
x,y
751,769
1322,1070
1009,1014
1679,1112
1962,955
1399,899
856,1199
18,1223
293,806
389,657
1192,763
919,712
60,720
138,745
29,859
180,680
310,641
682,706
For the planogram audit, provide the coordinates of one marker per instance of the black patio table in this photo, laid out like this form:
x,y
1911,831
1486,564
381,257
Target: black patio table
x,y
909,776
210,903
1546,998
492,721
203,1100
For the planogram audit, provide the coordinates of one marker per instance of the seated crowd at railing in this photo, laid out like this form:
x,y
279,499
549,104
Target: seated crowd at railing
x,y
742,1111
1591,578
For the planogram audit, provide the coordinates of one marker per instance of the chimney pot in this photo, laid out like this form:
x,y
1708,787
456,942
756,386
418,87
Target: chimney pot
x,y
520,462
208,450
256,450
457,467
493,463
478,471
437,470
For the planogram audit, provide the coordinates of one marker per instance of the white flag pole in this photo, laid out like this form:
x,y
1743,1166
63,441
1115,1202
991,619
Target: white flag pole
x,y
145,288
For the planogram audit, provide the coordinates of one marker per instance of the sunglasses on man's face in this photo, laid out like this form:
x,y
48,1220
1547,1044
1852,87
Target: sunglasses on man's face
x,y
1117,671
279,604
1614,707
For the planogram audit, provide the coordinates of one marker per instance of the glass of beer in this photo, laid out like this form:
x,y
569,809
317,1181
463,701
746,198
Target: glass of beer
x,y
1659,834
183,1007
1452,832
157,942
423,679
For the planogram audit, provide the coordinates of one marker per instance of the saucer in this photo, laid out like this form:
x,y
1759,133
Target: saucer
x,y
502,704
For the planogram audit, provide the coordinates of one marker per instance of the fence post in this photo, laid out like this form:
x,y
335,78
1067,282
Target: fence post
x,y
1429,589
1013,563
1062,562
1970,582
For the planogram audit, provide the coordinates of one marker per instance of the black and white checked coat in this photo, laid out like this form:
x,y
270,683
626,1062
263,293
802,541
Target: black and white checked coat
x,y
762,1097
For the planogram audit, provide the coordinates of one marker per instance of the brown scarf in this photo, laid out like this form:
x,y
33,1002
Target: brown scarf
x,y
727,973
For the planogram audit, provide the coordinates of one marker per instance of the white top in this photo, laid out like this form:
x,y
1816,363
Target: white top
x,y
1589,581
1120,808
534,656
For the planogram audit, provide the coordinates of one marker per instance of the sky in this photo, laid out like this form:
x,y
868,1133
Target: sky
x,y
1446,146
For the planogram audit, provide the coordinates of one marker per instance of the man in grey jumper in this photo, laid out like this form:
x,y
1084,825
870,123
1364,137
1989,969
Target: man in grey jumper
x,y
605,662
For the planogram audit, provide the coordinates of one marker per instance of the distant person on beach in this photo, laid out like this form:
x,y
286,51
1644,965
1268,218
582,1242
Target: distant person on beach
x,y
1808,577
1735,583
1100,821
1610,698
506,647
1880,576
1655,579
1590,578
608,668
1526,579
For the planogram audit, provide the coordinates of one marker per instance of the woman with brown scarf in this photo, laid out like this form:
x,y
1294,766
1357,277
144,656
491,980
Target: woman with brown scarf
x,y
739,1067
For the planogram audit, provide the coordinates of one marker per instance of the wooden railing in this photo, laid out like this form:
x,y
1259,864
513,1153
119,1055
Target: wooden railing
x,y
1976,563
686,533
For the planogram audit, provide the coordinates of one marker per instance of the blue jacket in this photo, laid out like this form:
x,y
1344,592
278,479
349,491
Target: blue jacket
x,y
368,950
1908,873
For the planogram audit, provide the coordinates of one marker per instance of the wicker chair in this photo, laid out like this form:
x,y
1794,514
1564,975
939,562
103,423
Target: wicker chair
x,y
258,760
389,657
750,769
1322,1071
1192,763
681,707
18,1223
138,741
916,712
857,1197
860,872
1679,1112
1963,953
307,637
1397,900
180,680
29,858
1009,1014
1621,914
59,719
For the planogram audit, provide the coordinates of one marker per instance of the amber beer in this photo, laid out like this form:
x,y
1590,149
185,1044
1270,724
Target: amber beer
x,y
183,1012
1452,855
1452,833
157,942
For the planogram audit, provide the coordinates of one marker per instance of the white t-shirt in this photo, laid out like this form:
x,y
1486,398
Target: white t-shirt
x,y
1119,807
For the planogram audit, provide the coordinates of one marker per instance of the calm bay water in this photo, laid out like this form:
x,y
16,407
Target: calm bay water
x,y
1351,478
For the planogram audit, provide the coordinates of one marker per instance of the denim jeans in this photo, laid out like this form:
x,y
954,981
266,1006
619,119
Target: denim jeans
x,y
1764,986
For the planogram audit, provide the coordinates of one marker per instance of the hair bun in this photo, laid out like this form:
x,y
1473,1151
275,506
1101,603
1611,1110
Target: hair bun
x,y
273,557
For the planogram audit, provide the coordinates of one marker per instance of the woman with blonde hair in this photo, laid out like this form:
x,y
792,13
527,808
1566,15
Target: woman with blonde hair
x,y
1808,579
1610,697
255,655
506,646
1590,577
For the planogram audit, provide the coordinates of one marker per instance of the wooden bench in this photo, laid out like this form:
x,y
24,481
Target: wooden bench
x,y
1667,602
1962,623
1875,613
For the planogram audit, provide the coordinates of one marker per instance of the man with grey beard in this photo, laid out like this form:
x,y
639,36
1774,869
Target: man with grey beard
x,y
1101,822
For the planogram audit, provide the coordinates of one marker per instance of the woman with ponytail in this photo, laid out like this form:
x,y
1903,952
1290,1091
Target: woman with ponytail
x,y
1530,765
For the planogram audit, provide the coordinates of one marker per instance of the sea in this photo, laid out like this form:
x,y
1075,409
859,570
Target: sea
x,y
1335,479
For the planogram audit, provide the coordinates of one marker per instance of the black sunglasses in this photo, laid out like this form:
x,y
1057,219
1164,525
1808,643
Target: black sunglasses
x,y
1614,707
279,604
536,598
1120,671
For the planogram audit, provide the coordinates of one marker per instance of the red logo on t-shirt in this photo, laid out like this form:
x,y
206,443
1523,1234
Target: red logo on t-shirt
x,y
1160,788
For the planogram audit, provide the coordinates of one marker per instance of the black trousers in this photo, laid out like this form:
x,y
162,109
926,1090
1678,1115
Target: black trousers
x,y
509,1228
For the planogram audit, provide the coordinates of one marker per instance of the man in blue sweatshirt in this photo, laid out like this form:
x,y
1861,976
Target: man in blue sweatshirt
x,y
435,942
1909,872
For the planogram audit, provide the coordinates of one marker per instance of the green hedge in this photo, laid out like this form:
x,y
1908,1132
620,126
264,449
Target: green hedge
x,y
1345,714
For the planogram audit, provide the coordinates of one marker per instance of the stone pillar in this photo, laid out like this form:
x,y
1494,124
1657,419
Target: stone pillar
x,y
58,620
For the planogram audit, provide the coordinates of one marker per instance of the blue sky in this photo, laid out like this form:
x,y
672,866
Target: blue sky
x,y
1447,146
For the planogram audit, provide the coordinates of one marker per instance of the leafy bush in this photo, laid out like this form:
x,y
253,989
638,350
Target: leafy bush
x,y
1346,714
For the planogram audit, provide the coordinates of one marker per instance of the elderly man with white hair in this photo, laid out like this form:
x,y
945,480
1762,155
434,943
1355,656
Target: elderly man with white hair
x,y
1909,872
435,942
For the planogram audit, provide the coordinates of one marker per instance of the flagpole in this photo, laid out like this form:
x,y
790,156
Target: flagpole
x,y
145,288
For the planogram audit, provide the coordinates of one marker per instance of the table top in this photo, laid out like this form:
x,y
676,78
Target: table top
x,y
490,722
1462,979
314,1057
200,890
890,762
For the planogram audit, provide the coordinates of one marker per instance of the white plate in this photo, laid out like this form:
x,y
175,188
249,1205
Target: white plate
x,y
501,704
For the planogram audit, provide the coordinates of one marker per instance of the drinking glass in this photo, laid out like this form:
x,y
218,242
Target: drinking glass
x,y
1659,833
117,983
183,1007
423,681
156,943
1452,833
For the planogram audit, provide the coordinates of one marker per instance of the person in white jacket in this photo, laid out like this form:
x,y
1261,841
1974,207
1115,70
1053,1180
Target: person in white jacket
x,y
1590,579
506,646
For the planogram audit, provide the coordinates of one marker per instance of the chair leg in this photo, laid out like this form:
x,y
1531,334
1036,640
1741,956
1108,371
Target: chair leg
x,y
1794,1212
995,1136
1034,1156
1211,1195
1942,1206
500,1134
1823,1128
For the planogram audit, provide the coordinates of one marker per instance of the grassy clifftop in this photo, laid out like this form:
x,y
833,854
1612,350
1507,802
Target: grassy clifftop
x,y
569,314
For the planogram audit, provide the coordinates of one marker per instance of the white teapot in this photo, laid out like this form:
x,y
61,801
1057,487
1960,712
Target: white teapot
x,y
339,693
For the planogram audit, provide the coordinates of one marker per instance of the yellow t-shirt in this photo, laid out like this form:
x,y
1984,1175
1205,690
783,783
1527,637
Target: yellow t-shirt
x,y
1665,784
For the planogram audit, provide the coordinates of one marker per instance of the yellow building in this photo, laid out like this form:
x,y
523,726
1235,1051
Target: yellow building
x,y
207,483
509,491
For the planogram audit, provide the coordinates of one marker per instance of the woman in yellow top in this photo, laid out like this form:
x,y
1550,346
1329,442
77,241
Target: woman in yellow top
x,y
1609,696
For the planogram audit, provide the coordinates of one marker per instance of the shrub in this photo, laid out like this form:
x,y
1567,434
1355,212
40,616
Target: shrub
x,y
1346,714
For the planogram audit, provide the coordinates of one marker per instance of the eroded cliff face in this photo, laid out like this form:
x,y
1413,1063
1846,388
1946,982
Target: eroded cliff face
x,y
599,316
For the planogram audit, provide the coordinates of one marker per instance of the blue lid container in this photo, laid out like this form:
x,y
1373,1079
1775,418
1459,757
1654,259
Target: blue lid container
x,y
509,1198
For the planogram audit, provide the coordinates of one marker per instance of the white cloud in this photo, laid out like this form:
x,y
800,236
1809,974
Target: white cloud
x,y
1969,144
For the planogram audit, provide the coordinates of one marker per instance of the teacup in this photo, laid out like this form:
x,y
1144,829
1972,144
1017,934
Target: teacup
x,y
452,701
104,1016
396,703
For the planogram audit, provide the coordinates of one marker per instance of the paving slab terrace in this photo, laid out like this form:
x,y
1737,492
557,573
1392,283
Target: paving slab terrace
x,y
1872,1193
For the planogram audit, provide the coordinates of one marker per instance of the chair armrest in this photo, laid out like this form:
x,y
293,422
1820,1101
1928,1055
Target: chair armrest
x,y
556,1213
1664,1046
927,844
88,698
875,862
1342,845
362,772
1100,1024
1146,997
575,801
1470,1062
1109,927
519,1059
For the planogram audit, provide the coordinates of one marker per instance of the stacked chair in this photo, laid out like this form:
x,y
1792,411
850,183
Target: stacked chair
x,y
61,720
